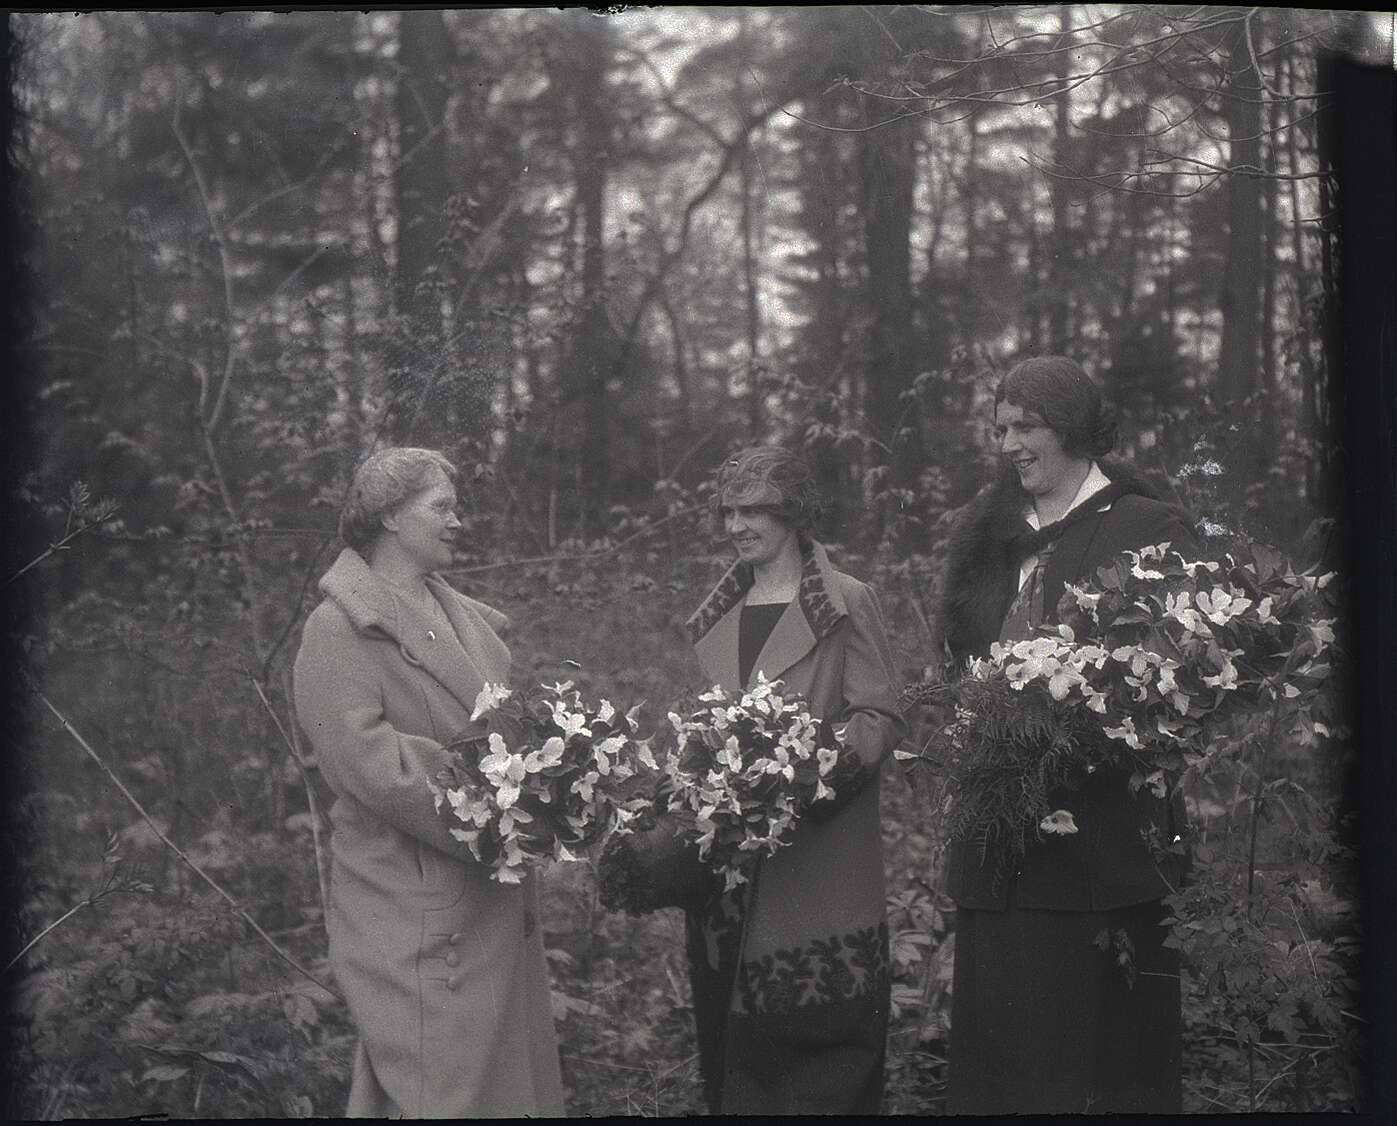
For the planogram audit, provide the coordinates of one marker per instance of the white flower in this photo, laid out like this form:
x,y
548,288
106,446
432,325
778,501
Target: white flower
x,y
1322,634
572,723
584,785
827,757
605,711
488,698
1125,732
1221,605
1059,821
1179,607
504,770
509,874
510,817
1085,601
607,747
550,754
1062,681
1226,678
731,754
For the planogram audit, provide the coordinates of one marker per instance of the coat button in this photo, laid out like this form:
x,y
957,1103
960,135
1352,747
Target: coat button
x,y
453,981
453,959
452,939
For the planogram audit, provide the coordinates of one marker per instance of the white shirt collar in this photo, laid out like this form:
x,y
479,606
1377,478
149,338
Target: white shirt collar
x,y
1092,484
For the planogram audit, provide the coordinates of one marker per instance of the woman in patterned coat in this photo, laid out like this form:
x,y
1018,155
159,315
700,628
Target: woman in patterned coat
x,y
1043,1019
442,967
790,971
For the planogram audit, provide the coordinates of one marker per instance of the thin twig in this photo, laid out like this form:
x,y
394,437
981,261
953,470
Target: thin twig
x,y
68,914
60,545
584,558
313,804
130,797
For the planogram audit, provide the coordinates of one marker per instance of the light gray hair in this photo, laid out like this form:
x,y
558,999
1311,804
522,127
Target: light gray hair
x,y
382,482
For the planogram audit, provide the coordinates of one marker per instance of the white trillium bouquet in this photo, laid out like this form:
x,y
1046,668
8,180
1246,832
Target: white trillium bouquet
x,y
1152,662
545,779
746,769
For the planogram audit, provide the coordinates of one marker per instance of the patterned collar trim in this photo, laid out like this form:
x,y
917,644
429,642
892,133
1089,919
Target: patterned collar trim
x,y
819,598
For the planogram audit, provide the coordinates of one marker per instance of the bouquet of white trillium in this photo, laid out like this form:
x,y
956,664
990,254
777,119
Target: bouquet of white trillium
x,y
1152,664
548,777
747,767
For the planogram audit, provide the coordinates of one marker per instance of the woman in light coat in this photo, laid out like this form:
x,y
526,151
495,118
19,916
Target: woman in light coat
x,y
790,972
443,968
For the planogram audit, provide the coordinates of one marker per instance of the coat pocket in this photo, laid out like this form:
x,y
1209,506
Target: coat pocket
x,y
443,877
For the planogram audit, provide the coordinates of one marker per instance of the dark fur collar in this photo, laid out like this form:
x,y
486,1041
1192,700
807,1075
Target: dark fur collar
x,y
819,600
981,567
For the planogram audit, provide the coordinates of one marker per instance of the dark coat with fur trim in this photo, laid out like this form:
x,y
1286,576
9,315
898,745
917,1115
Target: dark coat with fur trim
x,y
1106,865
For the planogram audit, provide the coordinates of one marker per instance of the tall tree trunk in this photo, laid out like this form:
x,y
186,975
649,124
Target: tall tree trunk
x,y
887,173
1304,322
417,374
589,63
749,269
749,282
420,180
968,188
1240,300
1060,253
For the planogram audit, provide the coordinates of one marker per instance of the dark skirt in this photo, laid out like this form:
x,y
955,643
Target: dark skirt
x,y
814,1058
1045,1021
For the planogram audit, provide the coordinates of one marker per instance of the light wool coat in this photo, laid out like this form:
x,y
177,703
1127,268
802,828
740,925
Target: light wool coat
x,y
795,969
442,967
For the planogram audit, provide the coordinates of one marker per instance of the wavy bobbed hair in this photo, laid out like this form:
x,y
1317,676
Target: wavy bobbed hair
x,y
382,482
750,473
1058,391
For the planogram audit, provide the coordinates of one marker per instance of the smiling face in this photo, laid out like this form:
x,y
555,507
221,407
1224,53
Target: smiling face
x,y
760,536
426,525
1035,450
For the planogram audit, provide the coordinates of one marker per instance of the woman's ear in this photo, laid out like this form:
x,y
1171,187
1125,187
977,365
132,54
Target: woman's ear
x,y
389,520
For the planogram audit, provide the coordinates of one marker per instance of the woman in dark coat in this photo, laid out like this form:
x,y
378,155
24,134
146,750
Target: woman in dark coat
x,y
790,971
1044,1020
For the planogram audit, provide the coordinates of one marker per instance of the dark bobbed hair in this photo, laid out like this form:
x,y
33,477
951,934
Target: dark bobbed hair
x,y
382,482
750,472
1058,391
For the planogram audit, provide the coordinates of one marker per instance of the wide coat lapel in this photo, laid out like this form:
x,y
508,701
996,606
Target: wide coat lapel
x,y
815,611
460,661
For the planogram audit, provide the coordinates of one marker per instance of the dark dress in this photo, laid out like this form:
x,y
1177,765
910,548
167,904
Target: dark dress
x,y
1044,1019
790,971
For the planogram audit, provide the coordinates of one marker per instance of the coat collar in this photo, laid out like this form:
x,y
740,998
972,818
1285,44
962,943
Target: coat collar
x,y
981,565
814,613
461,659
